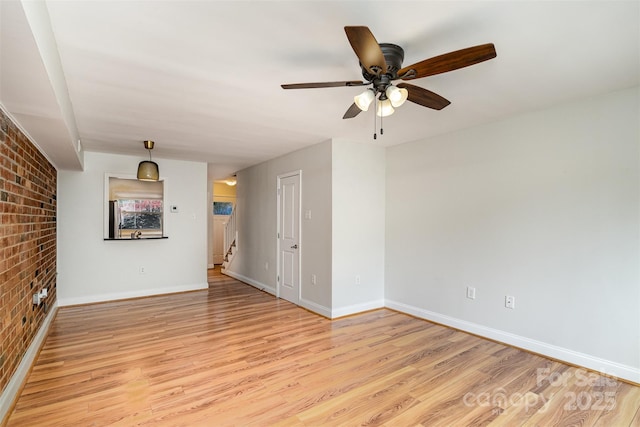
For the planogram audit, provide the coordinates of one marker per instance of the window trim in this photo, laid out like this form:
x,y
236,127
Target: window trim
x,y
105,206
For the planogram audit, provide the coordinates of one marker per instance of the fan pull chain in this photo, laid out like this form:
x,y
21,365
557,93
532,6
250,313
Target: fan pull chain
x,y
381,130
374,118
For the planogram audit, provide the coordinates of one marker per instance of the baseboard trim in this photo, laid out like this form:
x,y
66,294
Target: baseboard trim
x,y
356,308
249,281
12,390
91,299
606,367
309,305
315,308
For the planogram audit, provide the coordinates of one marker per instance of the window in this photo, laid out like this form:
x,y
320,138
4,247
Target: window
x,y
140,214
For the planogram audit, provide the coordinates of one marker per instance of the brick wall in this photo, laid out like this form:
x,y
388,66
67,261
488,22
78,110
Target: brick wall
x,y
27,243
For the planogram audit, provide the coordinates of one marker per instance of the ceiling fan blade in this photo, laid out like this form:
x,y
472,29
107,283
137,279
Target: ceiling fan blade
x,y
323,84
425,97
367,49
449,62
353,111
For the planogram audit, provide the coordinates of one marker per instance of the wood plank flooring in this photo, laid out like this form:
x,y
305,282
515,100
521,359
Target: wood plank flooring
x,y
235,356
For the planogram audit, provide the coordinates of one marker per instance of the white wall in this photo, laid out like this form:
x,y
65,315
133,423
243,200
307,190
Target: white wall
x,y
544,207
343,187
256,199
91,269
358,224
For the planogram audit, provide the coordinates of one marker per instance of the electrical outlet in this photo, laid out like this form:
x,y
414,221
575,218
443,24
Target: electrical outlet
x,y
358,279
314,279
510,302
471,292
142,270
266,265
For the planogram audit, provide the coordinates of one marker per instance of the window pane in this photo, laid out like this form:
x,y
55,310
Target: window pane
x,y
140,214
149,221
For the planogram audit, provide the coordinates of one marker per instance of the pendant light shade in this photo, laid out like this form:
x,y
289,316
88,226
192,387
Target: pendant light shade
x,y
364,99
397,95
147,169
384,108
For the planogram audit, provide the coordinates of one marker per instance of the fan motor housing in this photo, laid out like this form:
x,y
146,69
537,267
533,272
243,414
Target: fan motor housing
x,y
393,55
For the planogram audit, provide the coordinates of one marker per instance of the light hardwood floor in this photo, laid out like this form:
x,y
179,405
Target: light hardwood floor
x,y
233,355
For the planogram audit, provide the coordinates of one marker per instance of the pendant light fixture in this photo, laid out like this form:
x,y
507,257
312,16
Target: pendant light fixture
x,y
148,170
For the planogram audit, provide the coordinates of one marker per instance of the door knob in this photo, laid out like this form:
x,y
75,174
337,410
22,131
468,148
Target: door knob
x,y
294,246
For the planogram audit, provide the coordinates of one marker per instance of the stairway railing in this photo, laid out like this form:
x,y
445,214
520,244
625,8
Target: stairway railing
x,y
230,237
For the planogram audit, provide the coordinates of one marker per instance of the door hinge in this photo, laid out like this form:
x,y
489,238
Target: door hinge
x,y
278,235
278,279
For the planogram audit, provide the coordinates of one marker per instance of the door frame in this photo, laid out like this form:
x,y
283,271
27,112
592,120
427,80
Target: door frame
x,y
278,214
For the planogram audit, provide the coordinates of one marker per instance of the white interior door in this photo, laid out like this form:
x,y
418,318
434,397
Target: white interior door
x,y
218,237
289,237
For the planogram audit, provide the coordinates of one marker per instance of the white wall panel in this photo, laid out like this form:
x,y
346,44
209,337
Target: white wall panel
x,y
91,269
544,207
358,203
256,204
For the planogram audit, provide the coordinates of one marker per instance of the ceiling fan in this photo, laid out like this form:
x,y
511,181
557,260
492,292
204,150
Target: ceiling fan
x,y
381,64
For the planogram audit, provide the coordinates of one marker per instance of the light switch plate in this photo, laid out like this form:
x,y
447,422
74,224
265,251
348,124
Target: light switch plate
x,y
471,292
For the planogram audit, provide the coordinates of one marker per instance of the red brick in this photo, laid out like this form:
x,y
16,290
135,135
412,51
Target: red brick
x,y
27,242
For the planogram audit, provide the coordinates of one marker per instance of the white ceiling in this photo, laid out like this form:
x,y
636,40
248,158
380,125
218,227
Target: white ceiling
x,y
202,78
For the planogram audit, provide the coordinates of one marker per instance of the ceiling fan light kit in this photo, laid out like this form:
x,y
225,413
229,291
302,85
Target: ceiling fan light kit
x,y
381,64
148,170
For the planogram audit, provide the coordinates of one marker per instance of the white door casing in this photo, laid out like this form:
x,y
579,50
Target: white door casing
x,y
288,280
